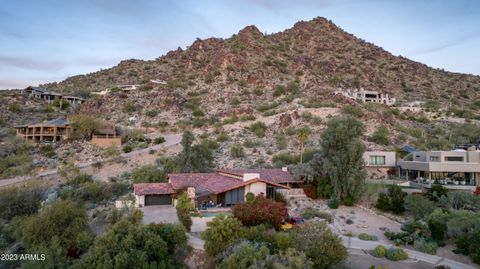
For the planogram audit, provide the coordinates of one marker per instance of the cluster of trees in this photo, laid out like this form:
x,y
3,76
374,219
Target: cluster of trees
x,y
192,158
437,216
60,230
236,246
337,171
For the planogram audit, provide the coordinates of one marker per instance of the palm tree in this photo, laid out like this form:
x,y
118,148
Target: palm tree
x,y
302,136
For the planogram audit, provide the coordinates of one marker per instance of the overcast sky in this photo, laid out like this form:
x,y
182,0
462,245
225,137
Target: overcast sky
x,y
49,40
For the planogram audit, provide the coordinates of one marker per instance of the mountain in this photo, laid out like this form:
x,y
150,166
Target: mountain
x,y
286,80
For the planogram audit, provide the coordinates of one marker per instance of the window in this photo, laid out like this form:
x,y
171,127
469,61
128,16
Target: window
x,y
377,160
453,158
434,158
270,192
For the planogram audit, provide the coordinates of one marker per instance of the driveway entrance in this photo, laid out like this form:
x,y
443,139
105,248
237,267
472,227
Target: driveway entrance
x,y
159,214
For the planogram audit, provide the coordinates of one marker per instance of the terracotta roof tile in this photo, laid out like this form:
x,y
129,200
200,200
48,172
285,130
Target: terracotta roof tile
x,y
153,188
275,175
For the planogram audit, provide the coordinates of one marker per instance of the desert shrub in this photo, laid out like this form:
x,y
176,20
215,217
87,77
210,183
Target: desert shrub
x,y
285,159
280,198
419,206
437,223
80,179
92,191
258,128
380,136
235,101
19,201
236,151
333,202
425,246
222,137
436,191
151,113
260,211
159,140
352,110
383,202
15,107
221,232
127,148
279,90
267,106
367,237
379,251
281,141
309,213
321,245
460,200
129,106
396,254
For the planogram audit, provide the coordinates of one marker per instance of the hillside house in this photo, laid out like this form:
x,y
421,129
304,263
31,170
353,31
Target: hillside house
x,y
50,96
106,136
60,129
45,132
366,96
456,169
380,164
223,188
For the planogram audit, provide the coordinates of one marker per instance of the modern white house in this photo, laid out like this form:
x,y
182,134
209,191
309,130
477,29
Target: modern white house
x,y
366,96
380,164
455,169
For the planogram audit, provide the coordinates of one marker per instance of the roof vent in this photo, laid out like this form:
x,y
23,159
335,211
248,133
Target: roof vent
x,y
285,169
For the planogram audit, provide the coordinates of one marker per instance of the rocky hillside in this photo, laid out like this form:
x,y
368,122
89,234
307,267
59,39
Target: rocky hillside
x,y
285,80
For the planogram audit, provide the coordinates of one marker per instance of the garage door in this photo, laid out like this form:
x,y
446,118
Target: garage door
x,y
158,200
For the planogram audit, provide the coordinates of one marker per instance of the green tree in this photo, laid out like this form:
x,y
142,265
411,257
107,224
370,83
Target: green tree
x,y
396,195
194,158
342,156
84,126
64,223
221,232
128,245
148,173
321,245
302,136
184,208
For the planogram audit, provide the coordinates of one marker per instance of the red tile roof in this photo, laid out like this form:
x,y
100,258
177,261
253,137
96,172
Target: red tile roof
x,y
274,175
214,183
153,188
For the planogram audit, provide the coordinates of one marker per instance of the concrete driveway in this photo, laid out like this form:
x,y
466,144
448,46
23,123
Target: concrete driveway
x,y
159,214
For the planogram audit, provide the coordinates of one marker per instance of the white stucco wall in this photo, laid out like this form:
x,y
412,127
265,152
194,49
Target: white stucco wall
x,y
390,158
139,200
256,188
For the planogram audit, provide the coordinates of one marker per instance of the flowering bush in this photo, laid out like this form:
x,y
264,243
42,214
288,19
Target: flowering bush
x,y
260,211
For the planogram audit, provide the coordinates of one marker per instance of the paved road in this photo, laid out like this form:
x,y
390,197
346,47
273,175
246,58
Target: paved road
x,y
170,140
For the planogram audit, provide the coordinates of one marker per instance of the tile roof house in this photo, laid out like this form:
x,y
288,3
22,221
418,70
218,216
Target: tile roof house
x,y
225,187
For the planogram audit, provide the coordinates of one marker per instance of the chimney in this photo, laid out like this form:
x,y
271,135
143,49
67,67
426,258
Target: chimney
x,y
249,176
285,169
